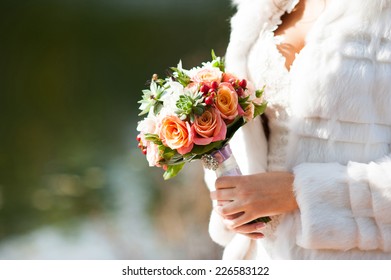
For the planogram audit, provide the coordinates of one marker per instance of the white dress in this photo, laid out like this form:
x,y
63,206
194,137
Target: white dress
x,y
274,75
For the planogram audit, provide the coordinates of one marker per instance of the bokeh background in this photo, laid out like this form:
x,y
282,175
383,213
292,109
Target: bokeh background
x,y
73,184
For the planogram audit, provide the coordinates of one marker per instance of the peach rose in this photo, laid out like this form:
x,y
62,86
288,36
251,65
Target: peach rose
x,y
176,134
208,76
226,101
209,127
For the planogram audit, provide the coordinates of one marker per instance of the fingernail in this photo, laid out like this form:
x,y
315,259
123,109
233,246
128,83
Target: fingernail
x,y
260,236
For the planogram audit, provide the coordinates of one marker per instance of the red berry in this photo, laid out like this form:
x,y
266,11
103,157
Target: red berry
x,y
209,100
240,91
232,81
215,85
138,138
204,89
144,151
243,83
141,146
211,91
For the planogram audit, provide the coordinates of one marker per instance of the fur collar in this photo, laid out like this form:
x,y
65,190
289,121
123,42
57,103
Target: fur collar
x,y
365,6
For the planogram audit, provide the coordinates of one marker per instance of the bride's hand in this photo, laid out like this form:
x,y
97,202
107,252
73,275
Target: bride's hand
x,y
242,199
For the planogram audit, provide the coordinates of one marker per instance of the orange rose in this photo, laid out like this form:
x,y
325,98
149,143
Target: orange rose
x,y
176,134
226,101
209,127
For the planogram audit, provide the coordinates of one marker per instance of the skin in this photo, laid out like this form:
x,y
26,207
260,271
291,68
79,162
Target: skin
x,y
242,199
295,27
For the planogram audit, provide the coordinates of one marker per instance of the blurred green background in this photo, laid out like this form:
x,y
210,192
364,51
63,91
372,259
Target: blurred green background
x,y
73,184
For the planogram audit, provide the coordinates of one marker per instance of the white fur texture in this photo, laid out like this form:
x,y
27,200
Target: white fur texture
x,y
340,133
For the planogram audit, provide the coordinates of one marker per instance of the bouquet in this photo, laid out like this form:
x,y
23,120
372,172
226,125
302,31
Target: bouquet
x,y
192,113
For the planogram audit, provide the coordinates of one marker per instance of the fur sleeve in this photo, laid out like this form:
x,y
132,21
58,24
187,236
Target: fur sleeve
x,y
344,207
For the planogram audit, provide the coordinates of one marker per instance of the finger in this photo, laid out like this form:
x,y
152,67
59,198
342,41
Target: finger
x,y
233,216
255,236
230,217
223,202
239,221
251,228
230,208
222,194
225,182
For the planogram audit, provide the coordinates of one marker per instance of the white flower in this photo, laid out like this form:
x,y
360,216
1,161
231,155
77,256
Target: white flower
x,y
173,91
148,124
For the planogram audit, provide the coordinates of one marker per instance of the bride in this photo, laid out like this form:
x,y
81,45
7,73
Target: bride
x,y
320,162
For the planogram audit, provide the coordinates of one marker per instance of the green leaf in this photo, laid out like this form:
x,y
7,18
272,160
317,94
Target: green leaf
x,y
204,149
214,57
180,76
172,171
157,107
166,152
217,61
154,138
244,102
259,109
243,99
233,127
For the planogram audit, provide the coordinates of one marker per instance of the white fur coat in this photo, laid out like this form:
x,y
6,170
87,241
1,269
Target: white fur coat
x,y
340,134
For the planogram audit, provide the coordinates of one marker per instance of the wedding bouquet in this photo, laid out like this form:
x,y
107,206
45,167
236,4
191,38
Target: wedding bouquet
x,y
192,114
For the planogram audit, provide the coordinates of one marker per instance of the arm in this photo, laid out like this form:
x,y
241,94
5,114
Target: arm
x,y
344,207
252,196
341,207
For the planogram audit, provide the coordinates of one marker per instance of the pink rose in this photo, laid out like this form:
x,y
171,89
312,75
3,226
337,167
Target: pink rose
x,y
207,76
209,127
176,134
226,101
